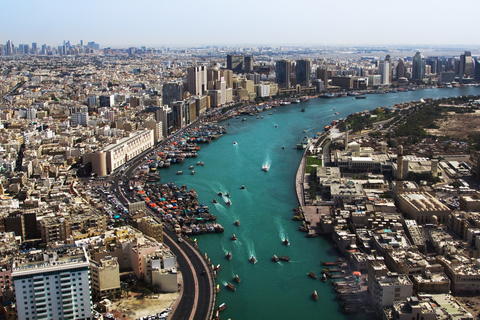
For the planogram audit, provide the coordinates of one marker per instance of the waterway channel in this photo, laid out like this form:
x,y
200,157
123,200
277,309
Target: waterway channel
x,y
271,290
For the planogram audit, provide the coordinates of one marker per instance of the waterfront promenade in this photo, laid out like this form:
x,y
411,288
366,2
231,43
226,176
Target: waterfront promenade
x,y
312,213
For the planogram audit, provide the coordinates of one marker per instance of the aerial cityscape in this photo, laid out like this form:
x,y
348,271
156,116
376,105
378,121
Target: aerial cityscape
x,y
242,173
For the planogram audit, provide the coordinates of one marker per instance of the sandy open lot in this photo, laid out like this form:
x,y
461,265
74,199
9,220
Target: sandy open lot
x,y
136,306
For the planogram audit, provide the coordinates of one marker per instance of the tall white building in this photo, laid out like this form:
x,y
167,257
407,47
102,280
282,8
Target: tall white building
x,y
384,71
197,80
51,285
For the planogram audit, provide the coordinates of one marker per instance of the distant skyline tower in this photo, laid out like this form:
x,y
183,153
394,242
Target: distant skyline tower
x,y
171,92
9,48
235,62
248,63
418,67
384,71
400,68
240,62
466,67
283,70
388,59
303,72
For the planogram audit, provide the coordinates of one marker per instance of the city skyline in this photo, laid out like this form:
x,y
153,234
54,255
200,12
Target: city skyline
x,y
266,23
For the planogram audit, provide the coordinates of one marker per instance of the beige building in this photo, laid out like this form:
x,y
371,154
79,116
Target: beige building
x,y
151,227
464,274
71,227
161,270
105,276
156,126
125,149
429,282
423,208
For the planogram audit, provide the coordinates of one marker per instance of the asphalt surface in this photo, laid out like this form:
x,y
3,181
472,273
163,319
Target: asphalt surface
x,y
193,304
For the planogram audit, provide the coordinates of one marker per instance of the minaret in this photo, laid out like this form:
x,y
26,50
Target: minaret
x,y
399,180
400,163
346,138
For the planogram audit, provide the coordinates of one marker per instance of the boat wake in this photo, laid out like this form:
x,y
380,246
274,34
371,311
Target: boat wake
x,y
266,165
281,230
251,250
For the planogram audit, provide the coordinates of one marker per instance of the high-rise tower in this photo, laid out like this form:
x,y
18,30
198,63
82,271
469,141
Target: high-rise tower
x,y
283,70
303,72
197,80
418,67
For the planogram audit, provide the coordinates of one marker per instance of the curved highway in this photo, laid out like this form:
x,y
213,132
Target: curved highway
x,y
197,292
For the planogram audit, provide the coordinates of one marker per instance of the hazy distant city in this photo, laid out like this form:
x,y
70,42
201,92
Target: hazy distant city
x,y
85,127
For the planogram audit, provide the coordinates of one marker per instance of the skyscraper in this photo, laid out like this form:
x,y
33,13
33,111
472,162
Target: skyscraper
x,y
248,63
197,80
172,91
418,67
400,68
9,48
303,72
240,62
466,68
235,62
388,58
384,71
283,70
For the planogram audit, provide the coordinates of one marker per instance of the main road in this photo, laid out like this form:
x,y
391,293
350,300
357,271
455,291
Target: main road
x,y
197,286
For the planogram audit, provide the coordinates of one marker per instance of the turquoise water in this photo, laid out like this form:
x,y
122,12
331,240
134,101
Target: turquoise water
x,y
271,290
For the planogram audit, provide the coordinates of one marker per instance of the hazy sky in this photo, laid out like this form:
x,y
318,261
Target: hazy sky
x,y
121,23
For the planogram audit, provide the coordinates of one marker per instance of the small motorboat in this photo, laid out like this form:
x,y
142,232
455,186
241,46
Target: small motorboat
x,y
285,242
229,256
284,258
275,258
217,268
222,307
234,237
230,287
236,278
217,290
242,187
227,194
193,172
179,172
228,203
237,223
220,193
217,315
276,126
315,295
214,201
324,277
253,260
235,142
312,275
303,109
265,168
283,148
191,167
